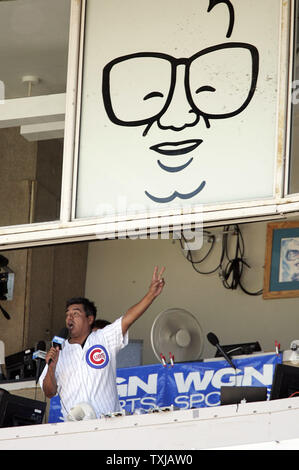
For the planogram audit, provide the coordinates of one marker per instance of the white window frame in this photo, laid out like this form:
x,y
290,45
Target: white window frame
x,y
69,229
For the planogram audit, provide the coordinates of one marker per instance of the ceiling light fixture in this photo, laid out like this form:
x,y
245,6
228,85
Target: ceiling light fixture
x,y
30,80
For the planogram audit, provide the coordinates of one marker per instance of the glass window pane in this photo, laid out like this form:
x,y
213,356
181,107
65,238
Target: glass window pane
x,y
154,139
33,53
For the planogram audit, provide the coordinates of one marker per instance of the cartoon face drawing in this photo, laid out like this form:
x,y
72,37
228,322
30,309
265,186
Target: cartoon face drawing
x,y
178,107
178,93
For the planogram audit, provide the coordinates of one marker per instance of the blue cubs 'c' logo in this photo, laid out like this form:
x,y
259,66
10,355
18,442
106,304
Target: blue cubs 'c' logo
x,y
97,356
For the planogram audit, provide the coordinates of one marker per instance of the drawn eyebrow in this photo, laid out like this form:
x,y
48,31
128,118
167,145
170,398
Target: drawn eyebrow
x,y
205,88
153,94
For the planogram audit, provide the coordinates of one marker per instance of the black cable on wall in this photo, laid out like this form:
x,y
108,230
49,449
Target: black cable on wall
x,y
230,269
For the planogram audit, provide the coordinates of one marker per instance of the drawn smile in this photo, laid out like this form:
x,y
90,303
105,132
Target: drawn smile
x,y
176,148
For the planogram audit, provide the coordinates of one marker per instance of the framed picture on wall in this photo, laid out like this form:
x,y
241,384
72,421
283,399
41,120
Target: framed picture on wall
x,y
281,275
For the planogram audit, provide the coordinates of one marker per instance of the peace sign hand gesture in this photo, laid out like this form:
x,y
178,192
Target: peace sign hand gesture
x,y
157,282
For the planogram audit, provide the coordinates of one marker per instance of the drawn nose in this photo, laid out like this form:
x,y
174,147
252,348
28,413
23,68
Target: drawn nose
x,y
179,113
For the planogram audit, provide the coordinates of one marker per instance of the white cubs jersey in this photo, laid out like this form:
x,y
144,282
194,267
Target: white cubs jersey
x,y
88,374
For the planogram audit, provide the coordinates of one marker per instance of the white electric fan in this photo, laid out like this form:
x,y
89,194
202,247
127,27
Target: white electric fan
x,y
178,332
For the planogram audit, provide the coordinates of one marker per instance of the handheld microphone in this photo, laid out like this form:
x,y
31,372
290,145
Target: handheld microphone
x,y
215,342
58,341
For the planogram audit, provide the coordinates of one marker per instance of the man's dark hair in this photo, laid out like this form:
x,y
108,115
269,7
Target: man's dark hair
x,y
101,324
89,306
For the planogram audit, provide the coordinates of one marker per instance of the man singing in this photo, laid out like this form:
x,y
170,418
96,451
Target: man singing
x,y
84,371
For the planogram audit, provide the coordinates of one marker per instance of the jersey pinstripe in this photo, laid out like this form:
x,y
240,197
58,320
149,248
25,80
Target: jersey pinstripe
x,y
88,374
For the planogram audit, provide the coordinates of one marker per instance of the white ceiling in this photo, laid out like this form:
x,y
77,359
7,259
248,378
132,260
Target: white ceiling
x,y
34,41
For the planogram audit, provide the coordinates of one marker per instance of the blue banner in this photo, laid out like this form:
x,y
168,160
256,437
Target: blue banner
x,y
185,385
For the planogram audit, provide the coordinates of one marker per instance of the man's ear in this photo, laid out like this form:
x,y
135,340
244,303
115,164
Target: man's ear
x,y
90,319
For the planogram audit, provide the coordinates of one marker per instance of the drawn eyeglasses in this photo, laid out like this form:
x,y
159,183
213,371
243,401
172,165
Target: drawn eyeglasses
x,y
219,83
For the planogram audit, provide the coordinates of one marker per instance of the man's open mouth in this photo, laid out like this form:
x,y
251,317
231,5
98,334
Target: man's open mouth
x,y
176,148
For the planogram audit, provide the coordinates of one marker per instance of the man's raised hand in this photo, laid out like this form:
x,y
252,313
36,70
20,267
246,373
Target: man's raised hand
x,y
157,283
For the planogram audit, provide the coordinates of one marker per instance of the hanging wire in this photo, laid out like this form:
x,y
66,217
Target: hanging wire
x,y
194,263
7,316
231,273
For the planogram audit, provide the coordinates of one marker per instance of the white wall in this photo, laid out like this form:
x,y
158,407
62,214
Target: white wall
x,y
119,272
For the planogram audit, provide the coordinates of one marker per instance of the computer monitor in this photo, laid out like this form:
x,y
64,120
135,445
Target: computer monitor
x,y
240,349
20,365
19,411
285,382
